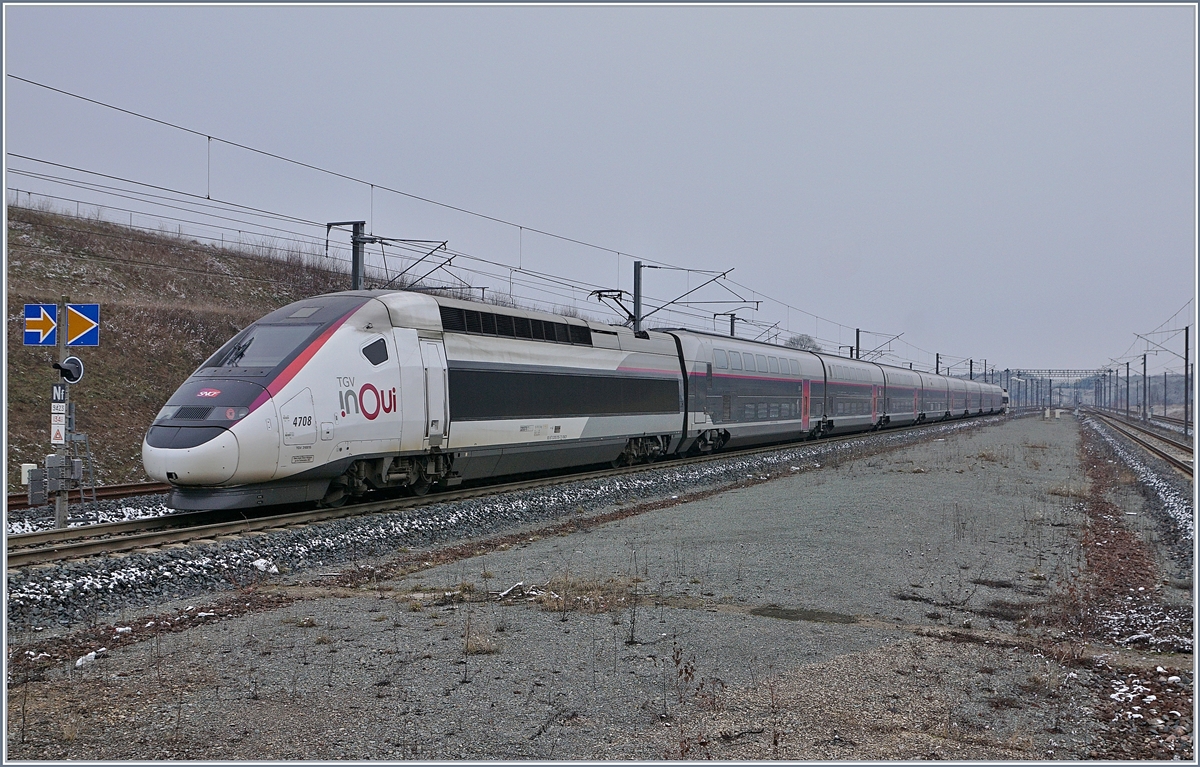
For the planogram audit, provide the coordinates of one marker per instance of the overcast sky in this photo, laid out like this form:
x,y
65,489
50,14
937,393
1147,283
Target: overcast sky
x,y
1009,183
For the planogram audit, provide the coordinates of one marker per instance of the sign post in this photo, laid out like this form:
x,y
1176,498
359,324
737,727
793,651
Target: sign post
x,y
63,325
60,496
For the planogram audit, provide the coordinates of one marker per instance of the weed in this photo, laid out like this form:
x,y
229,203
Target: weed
x,y
588,595
1064,491
481,645
685,670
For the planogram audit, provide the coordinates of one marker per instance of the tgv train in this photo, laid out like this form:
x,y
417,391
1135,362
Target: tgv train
x,y
336,395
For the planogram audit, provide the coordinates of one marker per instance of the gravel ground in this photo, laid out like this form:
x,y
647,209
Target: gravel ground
x,y
67,594
833,603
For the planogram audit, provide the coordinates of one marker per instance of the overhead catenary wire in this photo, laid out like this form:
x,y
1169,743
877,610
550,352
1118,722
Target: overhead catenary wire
x,y
209,138
240,230
165,189
543,283
327,171
148,199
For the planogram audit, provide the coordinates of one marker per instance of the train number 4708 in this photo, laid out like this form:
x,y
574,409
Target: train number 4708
x,y
302,420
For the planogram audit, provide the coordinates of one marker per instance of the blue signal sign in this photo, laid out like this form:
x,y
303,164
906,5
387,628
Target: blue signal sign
x,y
41,324
83,324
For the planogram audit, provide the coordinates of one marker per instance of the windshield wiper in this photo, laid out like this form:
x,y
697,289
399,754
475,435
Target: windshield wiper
x,y
237,352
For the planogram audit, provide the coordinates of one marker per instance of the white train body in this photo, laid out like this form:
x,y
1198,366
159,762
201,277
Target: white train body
x,y
336,395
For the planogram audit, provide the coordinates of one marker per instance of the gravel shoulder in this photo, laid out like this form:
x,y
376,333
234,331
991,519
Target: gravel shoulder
x,y
905,604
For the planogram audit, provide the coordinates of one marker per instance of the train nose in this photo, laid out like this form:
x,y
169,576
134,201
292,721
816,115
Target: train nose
x,y
190,455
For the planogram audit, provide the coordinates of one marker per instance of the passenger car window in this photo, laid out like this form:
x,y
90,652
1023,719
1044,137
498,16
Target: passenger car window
x,y
773,364
735,360
376,352
762,362
720,361
750,362
795,367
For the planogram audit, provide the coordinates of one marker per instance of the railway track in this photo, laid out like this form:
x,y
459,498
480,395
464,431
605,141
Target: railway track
x,y
21,500
1169,419
1178,454
43,547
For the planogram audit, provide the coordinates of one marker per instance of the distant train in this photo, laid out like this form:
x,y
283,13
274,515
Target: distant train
x,y
337,395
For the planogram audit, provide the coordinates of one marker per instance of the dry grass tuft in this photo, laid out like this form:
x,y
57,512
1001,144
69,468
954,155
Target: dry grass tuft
x,y
588,595
478,644
1066,490
304,623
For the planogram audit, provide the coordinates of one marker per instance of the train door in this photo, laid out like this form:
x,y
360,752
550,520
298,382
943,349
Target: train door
x,y
805,394
701,404
436,415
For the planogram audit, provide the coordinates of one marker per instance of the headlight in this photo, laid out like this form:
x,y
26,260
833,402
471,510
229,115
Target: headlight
x,y
233,413
166,412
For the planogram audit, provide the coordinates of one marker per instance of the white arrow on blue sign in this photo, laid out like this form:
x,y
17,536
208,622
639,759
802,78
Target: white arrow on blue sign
x,y
41,324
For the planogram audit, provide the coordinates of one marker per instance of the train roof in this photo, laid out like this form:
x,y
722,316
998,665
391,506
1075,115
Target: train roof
x,y
719,336
513,311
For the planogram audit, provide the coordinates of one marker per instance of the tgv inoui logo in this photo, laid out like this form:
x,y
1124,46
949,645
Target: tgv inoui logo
x,y
368,400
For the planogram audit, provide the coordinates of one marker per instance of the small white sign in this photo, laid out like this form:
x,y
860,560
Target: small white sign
x,y
58,407
58,434
58,419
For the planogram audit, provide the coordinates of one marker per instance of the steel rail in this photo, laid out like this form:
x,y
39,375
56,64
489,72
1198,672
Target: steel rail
x,y
1184,447
1171,419
21,500
46,546
1183,465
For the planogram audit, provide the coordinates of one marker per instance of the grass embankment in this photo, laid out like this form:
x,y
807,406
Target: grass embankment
x,y
166,303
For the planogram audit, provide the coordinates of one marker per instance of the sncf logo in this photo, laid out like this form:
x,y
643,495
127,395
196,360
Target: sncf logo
x,y
368,400
208,392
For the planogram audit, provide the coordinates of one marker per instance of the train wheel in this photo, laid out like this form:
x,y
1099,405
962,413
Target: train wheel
x,y
336,495
418,488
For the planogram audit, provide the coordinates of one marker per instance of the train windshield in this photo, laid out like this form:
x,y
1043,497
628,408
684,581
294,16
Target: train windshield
x,y
260,346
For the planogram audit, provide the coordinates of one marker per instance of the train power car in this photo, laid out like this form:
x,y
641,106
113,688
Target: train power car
x,y
333,396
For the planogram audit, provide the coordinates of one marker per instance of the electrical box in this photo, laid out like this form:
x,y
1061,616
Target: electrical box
x,y
37,486
25,469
